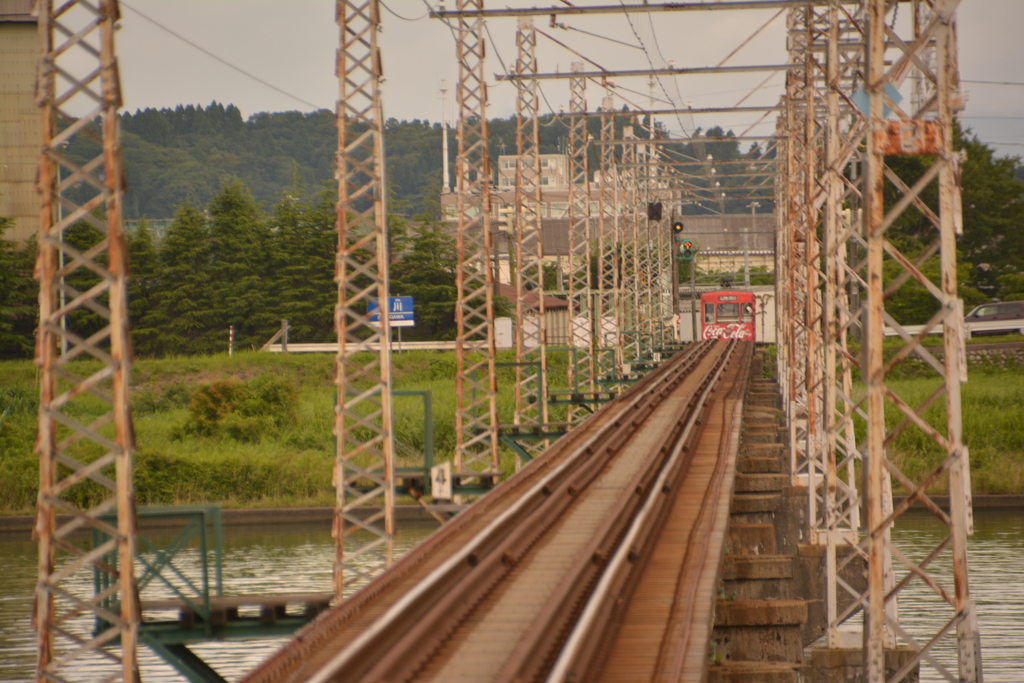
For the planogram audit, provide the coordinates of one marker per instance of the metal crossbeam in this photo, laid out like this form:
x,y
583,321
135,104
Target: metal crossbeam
x,y
570,9
364,462
85,441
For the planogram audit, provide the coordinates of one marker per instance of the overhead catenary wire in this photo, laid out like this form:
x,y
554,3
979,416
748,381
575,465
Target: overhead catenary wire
x,y
567,27
222,60
991,82
396,14
206,52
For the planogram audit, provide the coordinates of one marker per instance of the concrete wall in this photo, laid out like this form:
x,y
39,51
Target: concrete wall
x,y
19,128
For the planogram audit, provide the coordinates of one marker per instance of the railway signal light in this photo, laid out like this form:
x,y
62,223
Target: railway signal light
x,y
654,211
677,228
686,250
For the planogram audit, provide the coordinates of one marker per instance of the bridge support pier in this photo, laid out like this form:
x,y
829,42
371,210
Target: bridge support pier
x,y
772,605
846,665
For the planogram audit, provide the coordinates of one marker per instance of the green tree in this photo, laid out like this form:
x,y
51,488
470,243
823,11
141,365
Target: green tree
x,y
19,309
426,272
303,264
240,249
142,289
183,308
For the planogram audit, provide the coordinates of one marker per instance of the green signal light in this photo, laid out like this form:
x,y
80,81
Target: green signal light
x,y
686,251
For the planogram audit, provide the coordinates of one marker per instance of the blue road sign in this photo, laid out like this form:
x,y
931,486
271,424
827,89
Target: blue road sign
x,y
400,311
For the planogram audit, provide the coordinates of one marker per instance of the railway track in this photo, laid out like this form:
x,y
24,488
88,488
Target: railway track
x,y
612,537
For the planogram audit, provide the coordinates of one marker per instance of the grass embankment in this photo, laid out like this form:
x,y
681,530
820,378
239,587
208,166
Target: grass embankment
x,y
277,454
273,451
992,411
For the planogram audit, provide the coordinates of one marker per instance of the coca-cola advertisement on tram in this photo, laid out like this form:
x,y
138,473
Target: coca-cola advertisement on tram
x,y
728,315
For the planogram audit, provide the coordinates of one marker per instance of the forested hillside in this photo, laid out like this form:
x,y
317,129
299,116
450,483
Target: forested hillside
x,y
190,153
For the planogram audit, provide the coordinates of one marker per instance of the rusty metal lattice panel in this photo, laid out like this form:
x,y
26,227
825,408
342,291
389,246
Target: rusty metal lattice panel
x,y
531,411
581,307
85,441
364,462
890,60
476,411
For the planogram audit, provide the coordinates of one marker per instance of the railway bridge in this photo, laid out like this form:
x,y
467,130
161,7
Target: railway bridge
x,y
601,559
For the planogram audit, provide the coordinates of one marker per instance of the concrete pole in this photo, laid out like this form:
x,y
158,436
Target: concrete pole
x,y
746,243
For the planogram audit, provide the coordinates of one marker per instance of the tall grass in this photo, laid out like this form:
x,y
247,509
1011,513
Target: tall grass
x,y
993,429
290,464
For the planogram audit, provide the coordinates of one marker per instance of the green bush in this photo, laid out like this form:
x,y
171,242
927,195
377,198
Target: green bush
x,y
242,411
149,401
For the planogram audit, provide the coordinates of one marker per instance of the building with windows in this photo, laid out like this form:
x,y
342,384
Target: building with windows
x,y
725,243
19,118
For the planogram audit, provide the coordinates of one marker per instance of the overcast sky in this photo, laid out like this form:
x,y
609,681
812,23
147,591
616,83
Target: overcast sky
x,y
290,44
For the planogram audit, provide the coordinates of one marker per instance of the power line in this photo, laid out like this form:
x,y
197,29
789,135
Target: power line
x,y
992,82
650,62
567,27
222,60
396,14
495,44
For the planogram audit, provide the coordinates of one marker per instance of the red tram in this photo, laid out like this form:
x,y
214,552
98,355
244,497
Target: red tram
x,y
728,315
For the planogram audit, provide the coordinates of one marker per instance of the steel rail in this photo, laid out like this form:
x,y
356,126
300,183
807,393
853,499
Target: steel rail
x,y
494,551
594,623
430,634
559,616
316,635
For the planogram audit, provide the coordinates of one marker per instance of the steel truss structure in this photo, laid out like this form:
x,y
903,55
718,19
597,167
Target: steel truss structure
x,y
364,465
840,126
531,406
842,120
582,321
85,440
927,130
608,311
476,411
626,210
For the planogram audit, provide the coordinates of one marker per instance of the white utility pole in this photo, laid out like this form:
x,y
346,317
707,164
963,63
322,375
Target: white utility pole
x,y
746,243
446,186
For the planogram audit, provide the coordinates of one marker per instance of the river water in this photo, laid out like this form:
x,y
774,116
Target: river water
x,y
290,559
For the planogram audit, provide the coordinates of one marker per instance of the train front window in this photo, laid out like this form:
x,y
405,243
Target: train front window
x,y
709,313
748,313
728,313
